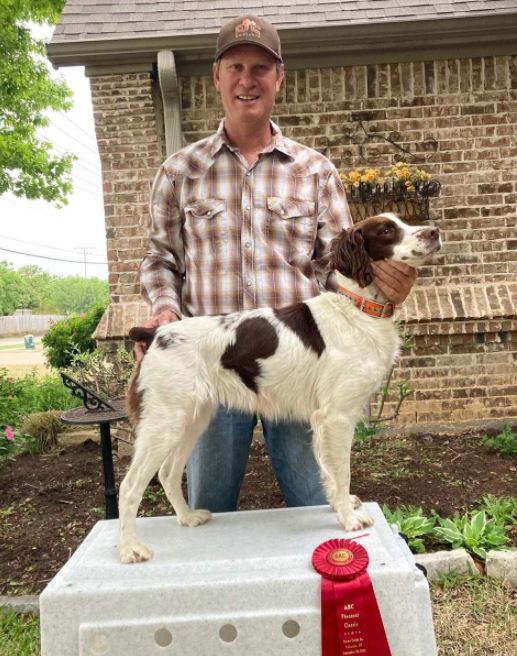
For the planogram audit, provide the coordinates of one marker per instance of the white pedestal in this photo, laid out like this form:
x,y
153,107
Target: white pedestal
x,y
241,584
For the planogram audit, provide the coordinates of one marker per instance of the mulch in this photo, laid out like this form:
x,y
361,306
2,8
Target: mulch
x,y
49,502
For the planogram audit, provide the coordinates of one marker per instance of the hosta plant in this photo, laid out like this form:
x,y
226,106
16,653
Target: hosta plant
x,y
412,523
505,442
473,532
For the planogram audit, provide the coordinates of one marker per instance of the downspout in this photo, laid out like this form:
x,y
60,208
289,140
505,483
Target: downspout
x,y
171,101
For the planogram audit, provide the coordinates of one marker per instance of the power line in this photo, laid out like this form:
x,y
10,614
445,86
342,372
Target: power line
x,y
75,125
32,243
18,203
71,136
82,161
45,257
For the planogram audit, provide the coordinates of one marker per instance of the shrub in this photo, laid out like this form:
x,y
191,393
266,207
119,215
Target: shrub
x,y
22,396
13,443
505,442
70,337
44,427
502,509
473,532
106,374
412,523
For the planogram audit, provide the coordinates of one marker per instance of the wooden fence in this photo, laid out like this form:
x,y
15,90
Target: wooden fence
x,y
27,324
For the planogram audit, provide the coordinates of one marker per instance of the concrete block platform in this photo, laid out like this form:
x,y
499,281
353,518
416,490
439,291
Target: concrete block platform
x,y
241,584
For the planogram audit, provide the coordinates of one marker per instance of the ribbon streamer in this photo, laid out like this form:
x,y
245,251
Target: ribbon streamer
x,y
351,624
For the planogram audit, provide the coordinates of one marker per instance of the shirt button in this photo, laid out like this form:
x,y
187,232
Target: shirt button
x,y
248,283
248,172
246,207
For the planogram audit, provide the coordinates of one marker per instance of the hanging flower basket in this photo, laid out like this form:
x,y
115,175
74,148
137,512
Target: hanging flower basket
x,y
403,189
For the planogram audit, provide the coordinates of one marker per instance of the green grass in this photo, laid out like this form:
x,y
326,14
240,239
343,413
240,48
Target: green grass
x,y
19,635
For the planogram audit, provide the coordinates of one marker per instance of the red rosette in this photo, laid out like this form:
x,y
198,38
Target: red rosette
x,y
340,560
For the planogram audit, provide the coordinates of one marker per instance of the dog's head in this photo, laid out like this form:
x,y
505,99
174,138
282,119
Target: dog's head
x,y
381,237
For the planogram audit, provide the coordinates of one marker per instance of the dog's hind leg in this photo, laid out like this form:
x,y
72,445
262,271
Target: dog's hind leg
x,y
150,451
171,473
333,435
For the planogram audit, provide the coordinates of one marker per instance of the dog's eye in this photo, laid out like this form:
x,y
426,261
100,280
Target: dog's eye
x,y
387,231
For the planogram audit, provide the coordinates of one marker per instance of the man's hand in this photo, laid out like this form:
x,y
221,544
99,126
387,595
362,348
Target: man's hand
x,y
160,319
394,279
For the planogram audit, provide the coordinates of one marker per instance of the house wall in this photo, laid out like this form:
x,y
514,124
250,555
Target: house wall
x,y
455,118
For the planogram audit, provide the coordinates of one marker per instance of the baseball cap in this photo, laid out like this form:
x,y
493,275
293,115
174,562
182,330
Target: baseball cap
x,y
248,29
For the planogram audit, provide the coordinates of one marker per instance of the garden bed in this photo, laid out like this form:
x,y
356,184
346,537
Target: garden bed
x,y
49,502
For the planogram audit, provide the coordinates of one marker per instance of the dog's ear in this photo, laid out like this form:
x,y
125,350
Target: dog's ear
x,y
139,334
348,255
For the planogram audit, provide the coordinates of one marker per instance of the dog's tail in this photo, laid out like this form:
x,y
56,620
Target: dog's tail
x,y
134,395
139,334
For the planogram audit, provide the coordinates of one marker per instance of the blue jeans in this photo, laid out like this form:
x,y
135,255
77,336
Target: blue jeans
x,y
218,462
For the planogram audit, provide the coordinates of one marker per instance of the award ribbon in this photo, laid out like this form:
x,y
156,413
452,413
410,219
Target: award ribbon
x,y
351,624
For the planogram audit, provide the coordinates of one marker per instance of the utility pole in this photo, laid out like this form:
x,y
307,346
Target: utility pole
x,y
85,250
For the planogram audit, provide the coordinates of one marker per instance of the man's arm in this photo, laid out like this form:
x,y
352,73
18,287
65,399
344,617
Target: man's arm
x,y
333,217
163,267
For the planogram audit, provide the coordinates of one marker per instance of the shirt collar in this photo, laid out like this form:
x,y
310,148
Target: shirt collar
x,y
278,142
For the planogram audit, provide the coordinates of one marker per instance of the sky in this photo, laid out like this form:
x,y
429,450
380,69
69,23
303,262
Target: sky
x,y
75,232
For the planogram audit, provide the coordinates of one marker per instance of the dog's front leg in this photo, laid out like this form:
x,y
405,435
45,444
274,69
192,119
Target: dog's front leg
x,y
333,436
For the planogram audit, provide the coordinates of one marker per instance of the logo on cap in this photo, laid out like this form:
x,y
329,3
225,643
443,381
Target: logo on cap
x,y
248,28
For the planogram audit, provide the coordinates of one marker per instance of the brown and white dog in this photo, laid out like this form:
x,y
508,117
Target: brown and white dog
x,y
318,361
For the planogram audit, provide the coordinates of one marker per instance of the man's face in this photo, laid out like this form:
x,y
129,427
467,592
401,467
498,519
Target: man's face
x,y
247,79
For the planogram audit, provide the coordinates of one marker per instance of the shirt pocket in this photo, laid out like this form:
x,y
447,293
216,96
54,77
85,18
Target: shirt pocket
x,y
206,230
293,224
205,209
291,208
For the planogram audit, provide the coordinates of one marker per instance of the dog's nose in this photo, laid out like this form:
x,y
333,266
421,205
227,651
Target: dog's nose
x,y
431,233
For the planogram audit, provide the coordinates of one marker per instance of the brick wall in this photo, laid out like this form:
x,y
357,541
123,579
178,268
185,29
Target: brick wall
x,y
456,118
130,138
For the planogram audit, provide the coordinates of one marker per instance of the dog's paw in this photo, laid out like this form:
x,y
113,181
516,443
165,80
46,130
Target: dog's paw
x,y
194,518
355,501
134,552
354,521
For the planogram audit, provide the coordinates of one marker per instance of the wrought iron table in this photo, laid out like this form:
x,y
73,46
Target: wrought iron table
x,y
96,410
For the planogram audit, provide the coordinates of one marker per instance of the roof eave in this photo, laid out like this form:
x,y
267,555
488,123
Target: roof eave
x,y
344,44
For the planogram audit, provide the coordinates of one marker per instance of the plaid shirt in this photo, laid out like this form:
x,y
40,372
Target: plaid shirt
x,y
225,236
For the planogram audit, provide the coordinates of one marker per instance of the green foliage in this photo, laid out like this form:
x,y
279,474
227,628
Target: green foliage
x,y
502,509
107,375
74,294
10,289
365,431
31,287
22,396
404,389
36,285
505,442
27,165
412,523
70,337
473,532
20,634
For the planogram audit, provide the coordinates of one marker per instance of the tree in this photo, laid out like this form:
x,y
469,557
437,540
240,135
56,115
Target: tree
x,y
36,288
27,165
74,294
11,283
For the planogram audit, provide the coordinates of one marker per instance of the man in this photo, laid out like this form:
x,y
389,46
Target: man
x,y
240,220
